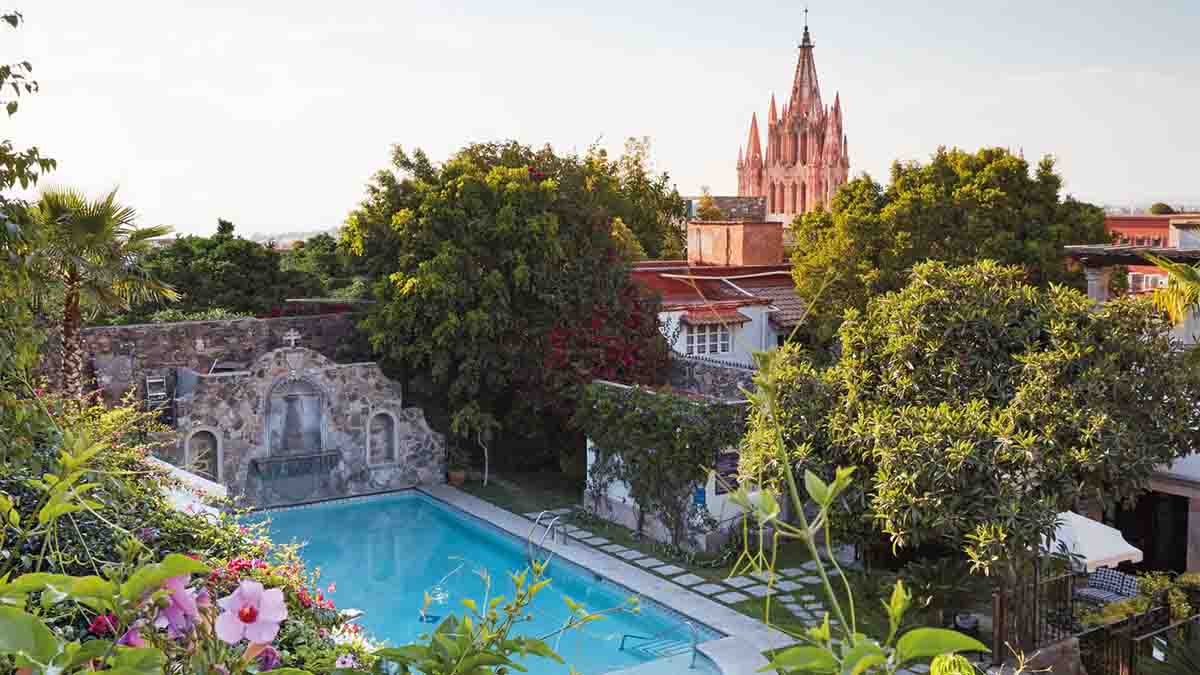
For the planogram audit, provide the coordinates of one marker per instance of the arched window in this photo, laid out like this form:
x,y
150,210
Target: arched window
x,y
203,455
381,439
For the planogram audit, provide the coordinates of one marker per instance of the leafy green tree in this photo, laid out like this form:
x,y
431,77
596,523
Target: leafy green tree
x,y
507,289
630,248
957,208
1161,209
321,258
93,253
17,167
707,209
644,200
980,406
226,273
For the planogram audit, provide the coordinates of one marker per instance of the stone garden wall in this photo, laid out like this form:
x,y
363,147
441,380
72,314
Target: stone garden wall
x,y
348,429
710,377
124,355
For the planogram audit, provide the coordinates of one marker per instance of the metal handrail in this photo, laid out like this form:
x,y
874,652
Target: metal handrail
x,y
695,641
695,633
549,531
529,540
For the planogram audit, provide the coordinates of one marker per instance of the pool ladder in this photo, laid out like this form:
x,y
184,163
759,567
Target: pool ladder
x,y
658,647
550,528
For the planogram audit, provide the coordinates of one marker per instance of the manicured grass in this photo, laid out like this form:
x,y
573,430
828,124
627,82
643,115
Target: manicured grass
x,y
526,492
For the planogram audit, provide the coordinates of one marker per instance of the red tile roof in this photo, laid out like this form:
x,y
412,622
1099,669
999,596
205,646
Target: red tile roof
x,y
714,315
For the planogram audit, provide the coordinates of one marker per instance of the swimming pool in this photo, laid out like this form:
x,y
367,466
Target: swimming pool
x,y
385,552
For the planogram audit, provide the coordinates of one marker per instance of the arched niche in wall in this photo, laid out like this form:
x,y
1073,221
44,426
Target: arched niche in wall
x,y
202,454
381,438
295,417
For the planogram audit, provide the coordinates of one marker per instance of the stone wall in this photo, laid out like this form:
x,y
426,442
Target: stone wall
x,y
124,355
709,377
365,441
735,208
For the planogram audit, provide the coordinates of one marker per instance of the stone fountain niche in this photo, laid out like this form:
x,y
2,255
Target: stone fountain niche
x,y
294,419
296,458
295,427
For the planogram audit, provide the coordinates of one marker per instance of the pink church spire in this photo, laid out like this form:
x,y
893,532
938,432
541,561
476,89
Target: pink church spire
x,y
754,148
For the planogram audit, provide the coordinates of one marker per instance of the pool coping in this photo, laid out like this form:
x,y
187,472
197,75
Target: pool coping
x,y
738,653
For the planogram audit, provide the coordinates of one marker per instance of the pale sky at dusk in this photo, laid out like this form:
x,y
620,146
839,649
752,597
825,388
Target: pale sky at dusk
x,y
274,113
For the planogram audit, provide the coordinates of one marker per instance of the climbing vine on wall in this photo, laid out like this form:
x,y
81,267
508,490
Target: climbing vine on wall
x,y
659,443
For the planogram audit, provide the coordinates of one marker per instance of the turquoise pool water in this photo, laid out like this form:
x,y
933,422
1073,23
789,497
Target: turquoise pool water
x,y
384,553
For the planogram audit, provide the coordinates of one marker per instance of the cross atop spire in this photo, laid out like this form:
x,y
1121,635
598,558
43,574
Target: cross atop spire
x,y
806,41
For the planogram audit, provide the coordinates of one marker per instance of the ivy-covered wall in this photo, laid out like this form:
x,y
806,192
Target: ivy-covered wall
x,y
650,450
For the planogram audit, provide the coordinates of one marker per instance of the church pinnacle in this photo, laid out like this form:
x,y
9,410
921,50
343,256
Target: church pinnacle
x,y
805,159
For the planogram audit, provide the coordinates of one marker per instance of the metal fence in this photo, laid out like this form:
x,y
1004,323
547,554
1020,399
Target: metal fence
x,y
1033,615
1123,648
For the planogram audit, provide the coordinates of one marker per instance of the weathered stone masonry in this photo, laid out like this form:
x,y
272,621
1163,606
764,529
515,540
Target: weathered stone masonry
x,y
125,355
353,436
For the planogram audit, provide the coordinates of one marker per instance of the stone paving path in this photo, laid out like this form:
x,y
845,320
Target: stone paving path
x,y
797,589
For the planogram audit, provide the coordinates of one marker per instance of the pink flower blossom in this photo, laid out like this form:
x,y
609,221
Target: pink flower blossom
x,y
268,659
332,588
103,624
132,638
345,661
251,613
180,614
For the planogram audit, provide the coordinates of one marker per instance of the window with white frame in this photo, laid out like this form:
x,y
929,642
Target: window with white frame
x,y
709,339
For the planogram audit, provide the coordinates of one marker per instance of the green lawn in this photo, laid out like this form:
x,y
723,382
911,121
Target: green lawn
x,y
529,492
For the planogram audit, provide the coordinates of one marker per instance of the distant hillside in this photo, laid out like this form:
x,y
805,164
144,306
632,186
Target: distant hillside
x,y
291,236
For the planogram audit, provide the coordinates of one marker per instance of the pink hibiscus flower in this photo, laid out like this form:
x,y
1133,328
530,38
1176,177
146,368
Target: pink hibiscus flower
x,y
180,614
251,613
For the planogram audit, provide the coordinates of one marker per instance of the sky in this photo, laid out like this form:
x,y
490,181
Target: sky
x,y
274,114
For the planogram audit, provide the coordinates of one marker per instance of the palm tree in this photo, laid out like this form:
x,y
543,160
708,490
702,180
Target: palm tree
x,y
91,250
1182,293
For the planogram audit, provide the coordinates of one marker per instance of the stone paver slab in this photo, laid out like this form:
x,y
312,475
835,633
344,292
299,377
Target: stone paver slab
x,y
740,582
732,597
559,512
631,554
792,572
765,575
788,585
811,565
613,548
668,570
596,541
688,580
649,562
759,591
709,589
809,580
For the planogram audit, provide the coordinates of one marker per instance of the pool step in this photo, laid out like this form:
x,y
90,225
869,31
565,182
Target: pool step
x,y
661,648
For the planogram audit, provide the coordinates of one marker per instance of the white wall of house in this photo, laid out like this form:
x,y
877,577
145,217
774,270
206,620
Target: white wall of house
x,y
755,335
622,509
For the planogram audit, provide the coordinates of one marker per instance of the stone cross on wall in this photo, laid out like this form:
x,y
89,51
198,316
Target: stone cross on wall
x,y
291,337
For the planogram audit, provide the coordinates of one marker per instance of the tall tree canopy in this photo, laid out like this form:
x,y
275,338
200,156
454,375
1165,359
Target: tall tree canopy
x,y
224,272
506,287
958,207
18,167
1161,209
978,406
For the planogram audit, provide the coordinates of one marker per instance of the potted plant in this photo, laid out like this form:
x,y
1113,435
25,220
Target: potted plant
x,y
456,473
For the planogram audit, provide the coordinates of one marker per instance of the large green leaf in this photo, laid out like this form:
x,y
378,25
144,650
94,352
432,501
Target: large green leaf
x,y
929,642
149,578
25,636
806,659
864,655
138,661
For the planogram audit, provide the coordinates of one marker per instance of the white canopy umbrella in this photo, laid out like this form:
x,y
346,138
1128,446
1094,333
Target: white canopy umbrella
x,y
1096,544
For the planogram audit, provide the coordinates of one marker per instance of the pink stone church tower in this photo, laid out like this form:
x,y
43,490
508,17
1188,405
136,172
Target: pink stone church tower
x,y
807,158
